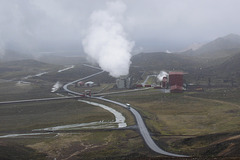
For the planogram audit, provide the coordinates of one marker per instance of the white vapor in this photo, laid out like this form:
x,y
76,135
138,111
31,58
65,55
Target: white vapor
x,y
56,86
161,75
106,42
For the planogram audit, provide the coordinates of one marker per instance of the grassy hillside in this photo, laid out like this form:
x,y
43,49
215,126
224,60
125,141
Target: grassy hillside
x,y
225,71
220,47
39,115
164,61
201,124
13,151
73,144
230,66
21,68
199,69
62,60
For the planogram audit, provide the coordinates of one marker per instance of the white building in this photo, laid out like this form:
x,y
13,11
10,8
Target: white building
x,y
89,84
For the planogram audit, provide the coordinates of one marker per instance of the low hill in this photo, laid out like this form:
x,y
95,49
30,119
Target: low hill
x,y
229,68
62,60
220,47
199,69
20,68
11,55
232,64
165,61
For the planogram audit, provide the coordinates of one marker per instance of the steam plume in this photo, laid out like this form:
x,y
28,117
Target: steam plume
x,y
161,75
56,86
106,40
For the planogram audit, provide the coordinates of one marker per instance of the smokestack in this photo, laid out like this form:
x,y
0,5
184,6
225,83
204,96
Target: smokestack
x,y
161,75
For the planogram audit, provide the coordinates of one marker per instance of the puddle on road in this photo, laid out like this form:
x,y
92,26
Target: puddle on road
x,y
65,69
119,118
91,125
20,135
36,75
119,122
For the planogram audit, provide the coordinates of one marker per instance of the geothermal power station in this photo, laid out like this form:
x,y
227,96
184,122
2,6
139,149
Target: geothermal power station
x,y
170,82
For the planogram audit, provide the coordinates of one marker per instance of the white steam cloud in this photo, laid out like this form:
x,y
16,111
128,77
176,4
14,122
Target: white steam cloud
x,y
106,42
56,86
161,75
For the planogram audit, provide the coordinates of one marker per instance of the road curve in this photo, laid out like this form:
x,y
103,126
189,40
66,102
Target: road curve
x,y
143,130
65,87
141,125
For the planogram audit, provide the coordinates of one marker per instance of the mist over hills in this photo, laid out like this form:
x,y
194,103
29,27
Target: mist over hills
x,y
165,61
13,55
215,53
59,57
20,68
220,47
62,60
228,68
219,58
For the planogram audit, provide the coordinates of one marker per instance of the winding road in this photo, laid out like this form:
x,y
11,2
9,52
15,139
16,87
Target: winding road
x,y
140,123
65,87
143,130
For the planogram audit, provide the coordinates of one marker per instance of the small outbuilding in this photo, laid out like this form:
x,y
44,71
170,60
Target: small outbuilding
x,y
89,84
80,83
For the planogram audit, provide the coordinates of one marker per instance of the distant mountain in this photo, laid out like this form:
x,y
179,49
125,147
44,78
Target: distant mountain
x,y
26,63
21,68
192,47
230,67
62,60
165,61
221,47
11,55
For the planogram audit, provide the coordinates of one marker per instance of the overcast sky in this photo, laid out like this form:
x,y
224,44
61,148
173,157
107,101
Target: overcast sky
x,y
154,25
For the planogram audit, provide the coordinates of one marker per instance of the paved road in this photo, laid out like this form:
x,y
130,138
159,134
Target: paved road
x,y
141,125
40,99
143,130
87,65
65,87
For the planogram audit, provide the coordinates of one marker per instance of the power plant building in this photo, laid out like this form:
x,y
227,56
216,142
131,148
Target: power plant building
x,y
176,82
123,82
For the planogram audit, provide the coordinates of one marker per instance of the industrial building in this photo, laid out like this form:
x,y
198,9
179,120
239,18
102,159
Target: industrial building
x,y
123,82
176,82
